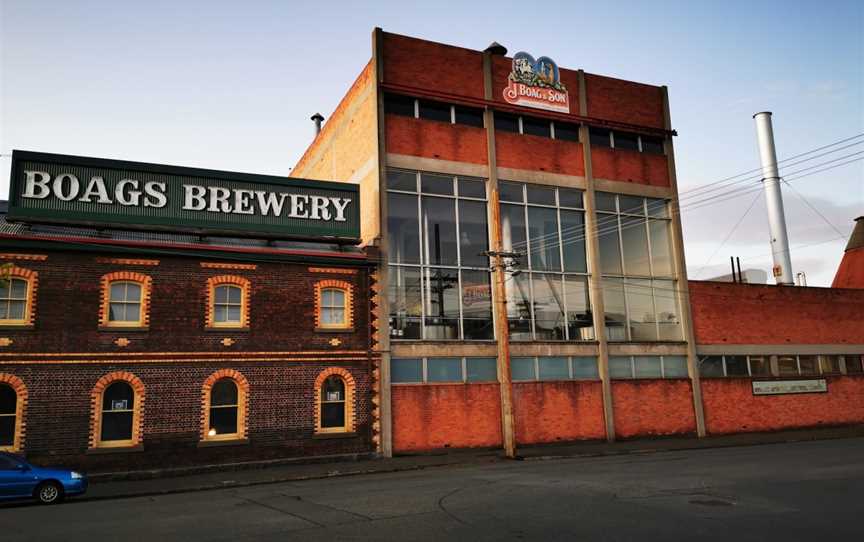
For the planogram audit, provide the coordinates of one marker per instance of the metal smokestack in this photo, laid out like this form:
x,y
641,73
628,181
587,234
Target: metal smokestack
x,y
317,118
774,200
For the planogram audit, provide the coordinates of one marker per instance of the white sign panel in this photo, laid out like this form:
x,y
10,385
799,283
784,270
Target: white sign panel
x,y
780,387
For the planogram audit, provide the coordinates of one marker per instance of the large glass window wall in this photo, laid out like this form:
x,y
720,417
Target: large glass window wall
x,y
439,280
640,292
547,286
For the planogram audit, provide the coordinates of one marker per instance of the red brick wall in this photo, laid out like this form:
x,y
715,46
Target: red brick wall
x,y
446,415
280,417
558,411
731,407
430,139
728,313
432,66
282,308
539,153
629,166
624,101
653,407
850,273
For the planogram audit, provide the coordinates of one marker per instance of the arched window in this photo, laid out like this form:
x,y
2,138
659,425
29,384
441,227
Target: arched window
x,y
333,305
117,406
125,300
17,293
8,416
334,391
228,302
13,403
224,401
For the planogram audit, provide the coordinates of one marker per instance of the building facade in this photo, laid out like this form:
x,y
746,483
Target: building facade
x,y
533,281
124,348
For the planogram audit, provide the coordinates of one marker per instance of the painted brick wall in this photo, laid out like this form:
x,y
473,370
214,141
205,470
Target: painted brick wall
x,y
731,407
430,139
558,411
281,421
728,313
624,101
629,166
445,415
653,407
282,308
432,66
539,154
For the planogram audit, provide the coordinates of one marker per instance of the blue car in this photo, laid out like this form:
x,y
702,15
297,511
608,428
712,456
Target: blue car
x,y
21,480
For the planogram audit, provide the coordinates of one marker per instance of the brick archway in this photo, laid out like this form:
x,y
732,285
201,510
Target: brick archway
x,y
21,397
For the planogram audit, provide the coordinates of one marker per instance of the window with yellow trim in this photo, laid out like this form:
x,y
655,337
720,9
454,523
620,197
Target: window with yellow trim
x,y
333,410
223,418
17,295
117,415
124,303
227,302
8,416
334,310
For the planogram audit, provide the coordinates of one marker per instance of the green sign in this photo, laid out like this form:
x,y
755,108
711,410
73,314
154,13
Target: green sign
x,y
53,188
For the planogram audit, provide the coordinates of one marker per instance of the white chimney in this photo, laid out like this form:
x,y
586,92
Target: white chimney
x,y
774,200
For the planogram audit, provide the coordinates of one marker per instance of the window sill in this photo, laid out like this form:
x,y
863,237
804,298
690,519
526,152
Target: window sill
x,y
334,330
16,327
226,329
125,329
324,436
226,442
115,450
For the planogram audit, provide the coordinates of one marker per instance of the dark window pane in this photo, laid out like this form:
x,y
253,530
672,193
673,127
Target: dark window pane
x,y
613,304
647,366
472,188
566,131
406,370
585,368
8,399
506,123
333,415
402,180
224,392
553,368
808,365
482,369
829,364
548,307
620,367
333,389
116,426
599,137
235,294
522,369
605,202
537,127
513,231
439,231
434,111
573,240
444,369
787,365
657,208
579,318
541,195
7,431
661,248
853,364
760,365
405,305
631,205
220,295
610,248
510,192
223,420
675,367
711,366
431,183
476,305
403,234
543,238
399,105
640,304
666,304
651,144
626,141
570,198
469,116
118,396
473,233
518,292
736,365
442,303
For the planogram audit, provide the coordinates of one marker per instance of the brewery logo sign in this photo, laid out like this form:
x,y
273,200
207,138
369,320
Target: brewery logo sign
x,y
536,83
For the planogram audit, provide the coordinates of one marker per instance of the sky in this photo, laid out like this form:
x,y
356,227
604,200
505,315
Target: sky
x,y
231,85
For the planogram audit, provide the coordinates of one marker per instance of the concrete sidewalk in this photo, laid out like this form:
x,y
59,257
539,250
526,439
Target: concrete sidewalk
x,y
168,481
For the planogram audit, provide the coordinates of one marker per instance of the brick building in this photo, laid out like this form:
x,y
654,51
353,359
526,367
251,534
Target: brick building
x,y
536,288
123,348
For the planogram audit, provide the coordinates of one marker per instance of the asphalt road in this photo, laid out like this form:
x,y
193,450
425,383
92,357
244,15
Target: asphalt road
x,y
799,491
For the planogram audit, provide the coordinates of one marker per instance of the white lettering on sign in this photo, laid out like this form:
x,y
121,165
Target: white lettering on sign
x,y
212,199
779,387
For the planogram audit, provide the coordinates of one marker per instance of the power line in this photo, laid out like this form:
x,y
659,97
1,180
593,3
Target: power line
x,y
729,235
